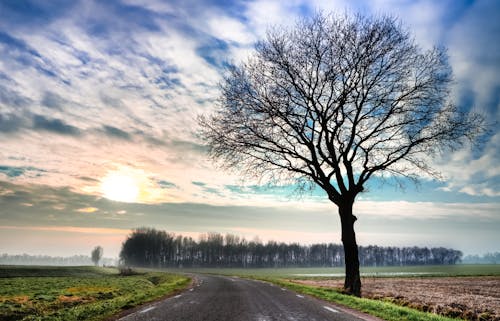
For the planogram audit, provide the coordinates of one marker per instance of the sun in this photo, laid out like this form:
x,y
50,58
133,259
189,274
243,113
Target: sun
x,y
119,186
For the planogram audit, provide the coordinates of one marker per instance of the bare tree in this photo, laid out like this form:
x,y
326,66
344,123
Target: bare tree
x,y
96,254
333,101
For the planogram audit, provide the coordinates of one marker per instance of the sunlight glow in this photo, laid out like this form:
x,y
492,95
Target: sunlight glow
x,y
119,186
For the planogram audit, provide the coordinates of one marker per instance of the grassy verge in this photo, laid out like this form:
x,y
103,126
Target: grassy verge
x,y
384,310
78,293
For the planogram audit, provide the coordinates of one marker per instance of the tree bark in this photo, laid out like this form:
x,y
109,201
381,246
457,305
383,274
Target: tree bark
x,y
352,284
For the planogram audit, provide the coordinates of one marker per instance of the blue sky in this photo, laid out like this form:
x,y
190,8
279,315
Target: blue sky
x,y
98,131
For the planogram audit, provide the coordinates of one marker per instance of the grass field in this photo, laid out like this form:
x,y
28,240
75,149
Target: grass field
x,y
338,272
78,293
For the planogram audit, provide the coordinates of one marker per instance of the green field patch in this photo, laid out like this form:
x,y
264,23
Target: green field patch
x,y
78,293
89,289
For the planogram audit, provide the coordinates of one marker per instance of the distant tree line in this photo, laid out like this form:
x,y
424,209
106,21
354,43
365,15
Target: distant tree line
x,y
149,247
488,258
75,260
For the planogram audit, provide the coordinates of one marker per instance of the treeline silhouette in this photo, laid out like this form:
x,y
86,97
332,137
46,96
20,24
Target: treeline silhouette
x,y
148,247
75,260
488,258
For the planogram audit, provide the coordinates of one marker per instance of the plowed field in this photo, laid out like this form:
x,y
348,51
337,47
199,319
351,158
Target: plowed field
x,y
471,298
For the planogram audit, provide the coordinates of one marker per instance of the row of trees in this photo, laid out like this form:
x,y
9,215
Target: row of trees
x,y
75,260
153,248
488,258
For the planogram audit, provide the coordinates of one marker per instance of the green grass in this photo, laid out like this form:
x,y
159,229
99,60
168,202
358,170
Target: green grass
x,y
78,293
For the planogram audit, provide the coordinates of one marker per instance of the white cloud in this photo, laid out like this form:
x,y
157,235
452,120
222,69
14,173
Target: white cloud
x,y
333,6
423,18
229,29
262,14
473,175
113,85
426,210
474,52
158,6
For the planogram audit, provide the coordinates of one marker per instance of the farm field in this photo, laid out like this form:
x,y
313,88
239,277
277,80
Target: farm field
x,y
78,293
332,272
468,297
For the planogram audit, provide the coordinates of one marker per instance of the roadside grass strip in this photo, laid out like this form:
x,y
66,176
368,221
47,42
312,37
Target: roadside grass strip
x,y
82,293
385,310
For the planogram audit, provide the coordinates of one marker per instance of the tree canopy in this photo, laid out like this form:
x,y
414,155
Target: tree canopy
x,y
96,254
333,101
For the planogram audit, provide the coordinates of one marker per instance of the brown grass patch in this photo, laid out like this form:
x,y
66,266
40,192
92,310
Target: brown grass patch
x,y
471,298
21,299
73,299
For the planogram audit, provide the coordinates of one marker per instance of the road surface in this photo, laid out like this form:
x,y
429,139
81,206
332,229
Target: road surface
x,y
220,298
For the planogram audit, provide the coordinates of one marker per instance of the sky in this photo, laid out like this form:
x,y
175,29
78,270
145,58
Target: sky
x,y
98,130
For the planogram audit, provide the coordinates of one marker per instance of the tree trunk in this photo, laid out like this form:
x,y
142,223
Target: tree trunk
x,y
352,284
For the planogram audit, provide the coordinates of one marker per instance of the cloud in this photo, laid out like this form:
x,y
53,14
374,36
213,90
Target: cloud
x,y
149,76
425,19
378,223
71,229
215,53
32,12
16,171
474,174
11,98
54,125
116,132
187,146
10,123
166,184
18,45
22,55
474,53
230,29
263,14
395,210
87,210
139,73
12,171
53,100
